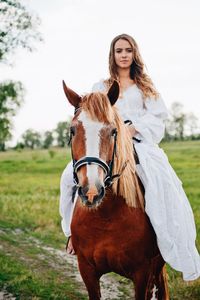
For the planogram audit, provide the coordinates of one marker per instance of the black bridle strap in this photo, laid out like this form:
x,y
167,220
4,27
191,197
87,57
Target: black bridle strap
x,y
89,160
135,153
113,154
109,179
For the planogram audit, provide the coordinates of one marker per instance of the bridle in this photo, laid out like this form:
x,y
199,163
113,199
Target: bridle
x,y
89,160
107,168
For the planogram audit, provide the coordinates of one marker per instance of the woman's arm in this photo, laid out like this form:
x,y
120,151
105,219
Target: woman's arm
x,y
150,126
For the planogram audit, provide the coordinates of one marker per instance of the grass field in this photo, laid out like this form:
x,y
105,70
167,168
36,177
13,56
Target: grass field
x,y
30,222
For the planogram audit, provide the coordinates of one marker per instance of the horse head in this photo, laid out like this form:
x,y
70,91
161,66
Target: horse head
x,y
93,142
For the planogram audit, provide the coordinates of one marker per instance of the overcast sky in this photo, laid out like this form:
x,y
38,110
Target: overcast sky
x,y
77,36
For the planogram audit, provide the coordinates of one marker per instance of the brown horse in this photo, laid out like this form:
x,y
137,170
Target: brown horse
x,y
110,230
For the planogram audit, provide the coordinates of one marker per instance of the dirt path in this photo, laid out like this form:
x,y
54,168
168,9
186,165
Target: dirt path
x,y
112,287
4,295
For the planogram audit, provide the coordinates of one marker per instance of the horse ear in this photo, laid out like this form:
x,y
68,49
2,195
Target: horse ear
x,y
113,93
73,98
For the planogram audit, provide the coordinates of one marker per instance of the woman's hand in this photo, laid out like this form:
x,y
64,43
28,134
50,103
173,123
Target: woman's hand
x,y
69,247
132,130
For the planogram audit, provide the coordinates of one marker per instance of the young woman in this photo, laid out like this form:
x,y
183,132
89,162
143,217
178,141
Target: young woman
x,y
165,201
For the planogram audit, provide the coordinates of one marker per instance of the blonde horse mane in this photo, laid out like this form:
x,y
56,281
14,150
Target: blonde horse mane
x,y
98,107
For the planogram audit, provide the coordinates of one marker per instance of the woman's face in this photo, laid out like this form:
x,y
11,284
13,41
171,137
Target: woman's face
x,y
123,54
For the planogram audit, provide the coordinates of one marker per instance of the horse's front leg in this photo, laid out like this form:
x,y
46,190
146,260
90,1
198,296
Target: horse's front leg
x,y
90,278
140,280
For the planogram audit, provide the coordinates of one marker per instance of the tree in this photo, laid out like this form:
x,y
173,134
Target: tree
x,y
48,139
181,125
62,131
18,30
192,125
31,139
11,95
168,130
177,121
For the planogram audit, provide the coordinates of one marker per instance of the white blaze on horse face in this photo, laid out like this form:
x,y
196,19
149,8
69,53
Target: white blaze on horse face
x,y
92,130
154,290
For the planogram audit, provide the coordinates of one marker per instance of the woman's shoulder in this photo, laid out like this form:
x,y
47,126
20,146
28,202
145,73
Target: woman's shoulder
x,y
99,86
156,106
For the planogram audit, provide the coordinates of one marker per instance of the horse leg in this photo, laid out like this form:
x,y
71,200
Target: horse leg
x,y
157,288
140,280
150,281
90,279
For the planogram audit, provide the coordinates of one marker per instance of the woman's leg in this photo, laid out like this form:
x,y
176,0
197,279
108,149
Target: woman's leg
x,y
66,204
169,211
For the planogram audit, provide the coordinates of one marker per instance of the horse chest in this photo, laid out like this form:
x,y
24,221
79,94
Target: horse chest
x,y
114,237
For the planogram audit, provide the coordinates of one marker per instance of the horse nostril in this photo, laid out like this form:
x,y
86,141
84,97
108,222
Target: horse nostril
x,y
85,190
82,191
99,187
101,192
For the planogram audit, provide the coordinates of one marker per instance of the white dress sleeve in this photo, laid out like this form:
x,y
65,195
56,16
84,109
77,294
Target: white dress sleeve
x,y
99,86
150,125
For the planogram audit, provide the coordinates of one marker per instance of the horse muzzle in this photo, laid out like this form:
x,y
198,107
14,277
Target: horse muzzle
x,y
91,197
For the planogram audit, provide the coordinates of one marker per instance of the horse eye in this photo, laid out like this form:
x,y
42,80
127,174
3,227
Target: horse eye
x,y
72,130
114,131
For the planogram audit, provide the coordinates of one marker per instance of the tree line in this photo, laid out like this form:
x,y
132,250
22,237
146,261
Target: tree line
x,y
19,29
33,139
179,126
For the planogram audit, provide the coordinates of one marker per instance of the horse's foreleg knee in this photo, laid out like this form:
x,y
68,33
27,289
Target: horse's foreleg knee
x,y
91,280
140,280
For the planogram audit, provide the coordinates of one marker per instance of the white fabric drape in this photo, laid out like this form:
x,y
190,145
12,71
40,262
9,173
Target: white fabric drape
x,y
165,201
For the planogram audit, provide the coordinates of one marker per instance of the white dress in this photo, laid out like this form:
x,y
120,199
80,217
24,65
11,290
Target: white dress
x,y
165,201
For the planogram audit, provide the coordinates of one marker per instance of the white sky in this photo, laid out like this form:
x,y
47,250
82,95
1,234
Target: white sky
x,y
77,36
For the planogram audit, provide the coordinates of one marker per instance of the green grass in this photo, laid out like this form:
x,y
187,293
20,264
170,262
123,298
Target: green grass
x,y
29,201
26,283
29,190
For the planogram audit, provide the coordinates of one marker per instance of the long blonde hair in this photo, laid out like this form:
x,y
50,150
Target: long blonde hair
x,y
137,69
